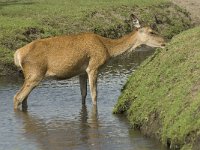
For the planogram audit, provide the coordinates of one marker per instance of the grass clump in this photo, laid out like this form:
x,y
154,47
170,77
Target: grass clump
x,y
162,97
24,21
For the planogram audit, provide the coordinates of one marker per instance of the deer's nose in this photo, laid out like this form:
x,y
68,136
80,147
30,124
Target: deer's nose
x,y
163,44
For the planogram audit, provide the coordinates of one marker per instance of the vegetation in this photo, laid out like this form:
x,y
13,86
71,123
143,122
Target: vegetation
x,y
162,97
24,21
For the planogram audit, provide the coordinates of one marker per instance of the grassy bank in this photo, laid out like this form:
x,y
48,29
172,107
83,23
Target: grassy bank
x,y
23,21
162,98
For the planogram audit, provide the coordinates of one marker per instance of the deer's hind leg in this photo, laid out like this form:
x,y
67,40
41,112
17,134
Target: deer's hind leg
x,y
32,79
83,86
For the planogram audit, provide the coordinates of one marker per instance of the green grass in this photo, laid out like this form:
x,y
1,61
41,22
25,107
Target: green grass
x,y
75,8
163,96
23,13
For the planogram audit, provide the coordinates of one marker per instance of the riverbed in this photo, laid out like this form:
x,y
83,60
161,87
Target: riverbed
x,y
56,119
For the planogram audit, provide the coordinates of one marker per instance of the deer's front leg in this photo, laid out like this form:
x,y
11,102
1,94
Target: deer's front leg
x,y
92,76
83,86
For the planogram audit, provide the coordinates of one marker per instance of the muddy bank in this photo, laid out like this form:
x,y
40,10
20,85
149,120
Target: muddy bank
x,y
162,98
110,22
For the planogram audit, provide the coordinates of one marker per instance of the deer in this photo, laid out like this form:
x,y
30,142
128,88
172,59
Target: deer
x,y
83,54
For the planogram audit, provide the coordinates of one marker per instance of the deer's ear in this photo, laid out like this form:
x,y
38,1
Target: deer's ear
x,y
135,21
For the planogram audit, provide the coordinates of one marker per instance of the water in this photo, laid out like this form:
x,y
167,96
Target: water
x,y
56,119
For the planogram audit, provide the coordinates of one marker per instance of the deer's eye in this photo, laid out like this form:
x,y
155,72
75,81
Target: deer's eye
x,y
152,32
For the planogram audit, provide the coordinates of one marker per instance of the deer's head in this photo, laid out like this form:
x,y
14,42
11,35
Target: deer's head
x,y
146,35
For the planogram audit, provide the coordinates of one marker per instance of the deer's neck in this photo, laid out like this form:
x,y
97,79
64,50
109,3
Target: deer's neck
x,y
118,46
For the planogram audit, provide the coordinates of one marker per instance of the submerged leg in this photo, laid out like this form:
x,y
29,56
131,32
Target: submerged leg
x,y
83,86
92,75
24,104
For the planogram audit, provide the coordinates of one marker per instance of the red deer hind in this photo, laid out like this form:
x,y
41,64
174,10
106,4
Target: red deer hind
x,y
82,55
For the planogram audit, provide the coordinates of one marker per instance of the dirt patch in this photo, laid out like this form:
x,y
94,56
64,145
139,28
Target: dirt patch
x,y
193,6
32,33
152,127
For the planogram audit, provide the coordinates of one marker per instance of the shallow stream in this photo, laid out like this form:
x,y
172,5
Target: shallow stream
x,y
56,119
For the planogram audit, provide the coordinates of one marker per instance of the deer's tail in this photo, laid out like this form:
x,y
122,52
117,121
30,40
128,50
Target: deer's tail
x,y
17,59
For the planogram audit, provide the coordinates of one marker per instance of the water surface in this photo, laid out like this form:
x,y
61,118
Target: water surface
x,y
56,119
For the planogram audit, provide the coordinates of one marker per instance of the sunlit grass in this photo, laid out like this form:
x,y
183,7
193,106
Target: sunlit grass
x,y
23,13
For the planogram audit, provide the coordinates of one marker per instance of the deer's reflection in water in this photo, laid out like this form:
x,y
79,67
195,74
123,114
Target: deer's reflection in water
x,y
53,134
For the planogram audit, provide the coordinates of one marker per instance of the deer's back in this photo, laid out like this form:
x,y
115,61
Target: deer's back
x,y
64,56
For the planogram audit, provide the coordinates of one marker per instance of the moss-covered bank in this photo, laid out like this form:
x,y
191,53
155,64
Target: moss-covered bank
x,y
23,22
162,98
